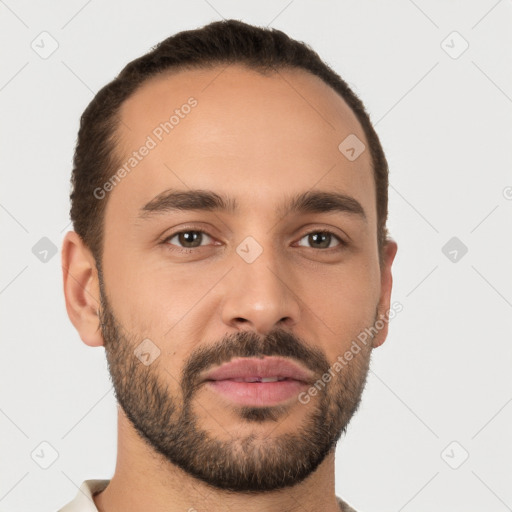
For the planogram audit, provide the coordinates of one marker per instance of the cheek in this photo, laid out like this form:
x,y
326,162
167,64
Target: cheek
x,y
343,303
159,300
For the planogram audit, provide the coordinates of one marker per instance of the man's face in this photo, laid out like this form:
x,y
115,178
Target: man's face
x,y
254,282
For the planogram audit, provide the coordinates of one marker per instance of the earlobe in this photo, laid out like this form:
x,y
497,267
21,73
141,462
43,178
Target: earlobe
x,y
390,250
81,289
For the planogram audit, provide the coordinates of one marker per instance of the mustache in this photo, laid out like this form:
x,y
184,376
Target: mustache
x,y
279,342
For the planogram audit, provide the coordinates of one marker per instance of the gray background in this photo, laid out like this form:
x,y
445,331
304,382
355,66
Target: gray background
x,y
439,388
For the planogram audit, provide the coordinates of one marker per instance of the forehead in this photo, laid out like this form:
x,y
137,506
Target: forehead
x,y
233,130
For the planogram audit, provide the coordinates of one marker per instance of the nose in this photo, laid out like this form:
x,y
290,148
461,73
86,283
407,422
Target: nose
x,y
261,295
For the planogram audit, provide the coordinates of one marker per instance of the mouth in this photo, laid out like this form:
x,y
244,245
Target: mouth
x,y
259,382
257,379
268,369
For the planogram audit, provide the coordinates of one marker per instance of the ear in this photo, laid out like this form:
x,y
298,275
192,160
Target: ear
x,y
81,289
390,250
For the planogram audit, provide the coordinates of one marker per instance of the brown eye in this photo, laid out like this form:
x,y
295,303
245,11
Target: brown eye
x,y
187,239
322,240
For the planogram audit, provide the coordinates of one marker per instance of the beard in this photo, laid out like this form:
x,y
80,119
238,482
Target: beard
x,y
253,463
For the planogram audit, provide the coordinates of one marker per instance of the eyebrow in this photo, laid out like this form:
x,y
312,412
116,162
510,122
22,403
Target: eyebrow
x,y
207,200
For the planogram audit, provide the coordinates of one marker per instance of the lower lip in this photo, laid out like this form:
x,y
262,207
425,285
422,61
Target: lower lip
x,y
258,393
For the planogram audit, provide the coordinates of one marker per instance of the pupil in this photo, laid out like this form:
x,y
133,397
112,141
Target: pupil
x,y
190,237
322,236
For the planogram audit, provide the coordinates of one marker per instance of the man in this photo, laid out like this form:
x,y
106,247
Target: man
x,y
230,253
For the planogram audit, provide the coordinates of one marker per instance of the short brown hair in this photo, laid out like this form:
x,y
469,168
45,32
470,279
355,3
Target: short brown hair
x,y
218,43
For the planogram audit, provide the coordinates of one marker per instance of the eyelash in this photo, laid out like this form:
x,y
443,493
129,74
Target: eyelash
x,y
342,243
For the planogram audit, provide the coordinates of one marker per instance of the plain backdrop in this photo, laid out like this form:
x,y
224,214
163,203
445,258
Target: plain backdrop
x,y
434,429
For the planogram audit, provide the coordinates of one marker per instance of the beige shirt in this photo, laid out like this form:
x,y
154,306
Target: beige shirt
x,y
83,501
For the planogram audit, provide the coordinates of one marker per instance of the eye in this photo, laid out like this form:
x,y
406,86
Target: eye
x,y
323,240
188,239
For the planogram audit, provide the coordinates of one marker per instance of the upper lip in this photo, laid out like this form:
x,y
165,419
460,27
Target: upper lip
x,y
253,367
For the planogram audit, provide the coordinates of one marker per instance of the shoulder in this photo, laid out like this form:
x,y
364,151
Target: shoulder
x,y
83,501
344,507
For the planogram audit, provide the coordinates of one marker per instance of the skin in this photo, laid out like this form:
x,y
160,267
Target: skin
x,y
259,139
